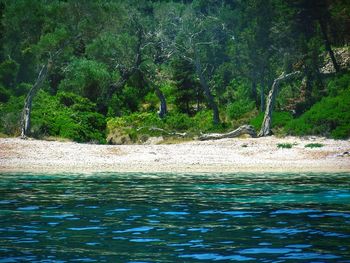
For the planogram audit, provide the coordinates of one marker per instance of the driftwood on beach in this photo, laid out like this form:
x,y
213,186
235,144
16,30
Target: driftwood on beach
x,y
244,129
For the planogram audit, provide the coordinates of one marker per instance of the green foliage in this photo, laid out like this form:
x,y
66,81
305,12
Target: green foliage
x,y
203,121
314,145
133,127
238,108
186,85
279,120
113,49
178,122
52,41
135,120
338,84
170,93
137,126
235,50
4,94
8,72
22,89
10,115
238,99
125,101
86,78
329,117
69,116
284,145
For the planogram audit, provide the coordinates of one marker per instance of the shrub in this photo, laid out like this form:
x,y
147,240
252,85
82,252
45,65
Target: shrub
x,y
238,108
86,78
69,116
203,122
131,128
179,122
338,84
329,117
10,115
279,119
284,145
125,102
5,94
8,72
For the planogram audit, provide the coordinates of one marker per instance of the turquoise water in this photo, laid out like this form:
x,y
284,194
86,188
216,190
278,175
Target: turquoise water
x,y
175,218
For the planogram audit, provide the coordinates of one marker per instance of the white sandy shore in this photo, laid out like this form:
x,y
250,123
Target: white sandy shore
x,y
226,155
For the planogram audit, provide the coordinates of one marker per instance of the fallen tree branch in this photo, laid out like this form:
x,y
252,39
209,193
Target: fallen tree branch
x,y
244,129
164,131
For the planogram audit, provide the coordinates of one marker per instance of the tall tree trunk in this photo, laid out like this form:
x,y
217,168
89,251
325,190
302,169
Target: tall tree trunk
x,y
27,109
207,92
266,125
327,44
163,106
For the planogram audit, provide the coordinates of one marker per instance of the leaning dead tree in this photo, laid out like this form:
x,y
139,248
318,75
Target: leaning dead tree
x,y
270,101
244,129
27,109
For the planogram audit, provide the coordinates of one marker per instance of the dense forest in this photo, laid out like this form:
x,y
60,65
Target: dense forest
x,y
118,71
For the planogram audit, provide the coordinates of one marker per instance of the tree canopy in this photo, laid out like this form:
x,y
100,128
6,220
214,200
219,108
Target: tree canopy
x,y
208,65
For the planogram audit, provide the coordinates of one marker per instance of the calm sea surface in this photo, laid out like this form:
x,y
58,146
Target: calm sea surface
x,y
175,218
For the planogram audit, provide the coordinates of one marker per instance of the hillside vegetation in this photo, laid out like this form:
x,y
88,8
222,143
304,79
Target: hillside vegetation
x,y
117,71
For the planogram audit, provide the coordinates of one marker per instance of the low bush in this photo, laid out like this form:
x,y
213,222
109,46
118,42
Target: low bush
x,y
338,84
69,116
284,145
179,122
279,120
238,108
10,115
329,117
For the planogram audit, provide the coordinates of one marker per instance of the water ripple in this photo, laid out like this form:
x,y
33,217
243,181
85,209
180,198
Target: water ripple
x,y
140,218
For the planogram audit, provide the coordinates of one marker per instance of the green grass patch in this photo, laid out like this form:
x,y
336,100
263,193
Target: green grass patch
x,y
314,145
284,145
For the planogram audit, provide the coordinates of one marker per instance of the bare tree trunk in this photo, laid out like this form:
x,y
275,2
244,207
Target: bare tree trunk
x,y
266,125
27,109
328,45
163,106
244,129
205,87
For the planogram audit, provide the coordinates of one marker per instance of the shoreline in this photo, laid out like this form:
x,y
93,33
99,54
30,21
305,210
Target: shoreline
x,y
237,155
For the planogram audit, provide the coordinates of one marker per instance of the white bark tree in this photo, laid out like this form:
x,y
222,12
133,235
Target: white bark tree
x,y
27,109
270,102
